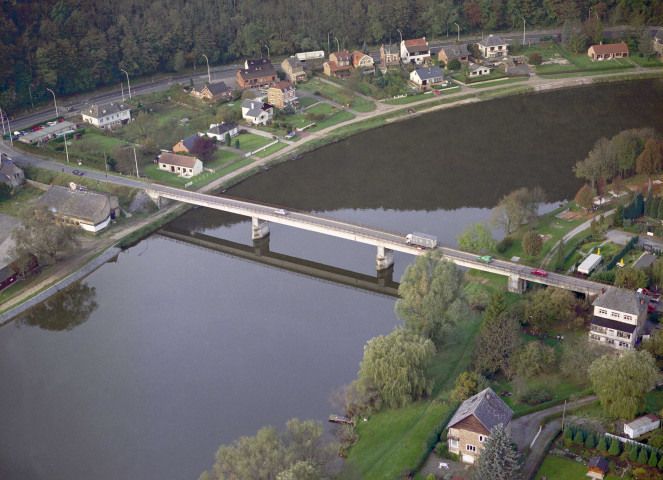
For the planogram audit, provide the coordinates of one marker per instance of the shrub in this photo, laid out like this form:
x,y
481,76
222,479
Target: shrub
x,y
536,396
660,463
603,444
627,222
653,459
532,243
504,244
453,64
579,439
590,442
633,454
535,58
656,441
615,447
643,457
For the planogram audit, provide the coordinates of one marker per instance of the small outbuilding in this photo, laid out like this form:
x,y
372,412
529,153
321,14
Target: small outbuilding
x,y
597,467
641,425
590,263
88,210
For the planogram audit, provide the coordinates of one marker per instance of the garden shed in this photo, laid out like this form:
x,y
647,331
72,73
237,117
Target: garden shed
x,y
641,425
590,263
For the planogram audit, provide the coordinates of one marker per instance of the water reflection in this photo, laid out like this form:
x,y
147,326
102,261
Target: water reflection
x,y
65,311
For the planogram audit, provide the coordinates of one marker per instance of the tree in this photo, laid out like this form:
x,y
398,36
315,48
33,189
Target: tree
x,y
576,357
585,198
551,306
477,238
598,228
237,144
643,458
557,261
41,233
579,439
227,115
516,208
566,32
496,306
532,243
149,147
395,366
622,382
535,58
5,191
615,447
535,358
454,64
432,297
633,453
602,445
203,147
498,459
653,459
467,385
618,216
497,341
660,463
301,471
590,442
144,124
631,278
649,161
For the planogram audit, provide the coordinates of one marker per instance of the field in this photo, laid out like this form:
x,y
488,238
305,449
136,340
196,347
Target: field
x,y
273,149
250,141
498,82
564,469
307,101
321,108
334,119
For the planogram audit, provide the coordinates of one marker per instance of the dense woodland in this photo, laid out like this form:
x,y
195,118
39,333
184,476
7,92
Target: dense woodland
x,y
77,45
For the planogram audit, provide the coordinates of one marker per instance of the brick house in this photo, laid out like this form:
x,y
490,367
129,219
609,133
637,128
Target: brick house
x,y
282,94
214,92
257,74
415,51
361,60
618,318
339,64
185,145
492,47
389,55
473,421
294,70
607,51
454,52
182,165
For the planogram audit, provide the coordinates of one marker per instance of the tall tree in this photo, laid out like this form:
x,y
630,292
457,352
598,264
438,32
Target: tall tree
x,y
477,238
649,161
516,208
496,343
467,385
532,243
498,459
496,306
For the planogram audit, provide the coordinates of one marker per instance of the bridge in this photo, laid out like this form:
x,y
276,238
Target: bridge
x,y
386,242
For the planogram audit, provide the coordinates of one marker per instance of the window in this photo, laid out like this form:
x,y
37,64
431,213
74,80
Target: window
x,y
602,311
453,443
615,314
481,438
595,337
596,328
624,335
623,344
470,448
628,317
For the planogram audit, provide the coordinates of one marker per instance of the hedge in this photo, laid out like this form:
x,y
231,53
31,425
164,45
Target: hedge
x,y
627,248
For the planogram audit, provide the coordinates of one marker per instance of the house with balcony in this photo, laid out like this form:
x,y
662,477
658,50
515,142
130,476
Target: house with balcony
x,y
294,70
282,95
389,56
415,50
339,64
618,318
257,113
256,74
454,52
492,47
471,424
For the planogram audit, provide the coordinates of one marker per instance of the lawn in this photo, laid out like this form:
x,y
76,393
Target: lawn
x,y
299,120
582,62
250,141
409,99
23,196
155,173
321,108
648,62
359,104
331,92
334,119
654,402
93,141
546,50
565,469
268,151
307,101
221,157
499,82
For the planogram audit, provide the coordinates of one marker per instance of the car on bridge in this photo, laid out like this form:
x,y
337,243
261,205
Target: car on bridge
x,y
485,258
280,211
539,272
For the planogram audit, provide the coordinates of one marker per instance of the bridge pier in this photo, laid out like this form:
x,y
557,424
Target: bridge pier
x,y
386,276
259,228
516,284
261,246
385,258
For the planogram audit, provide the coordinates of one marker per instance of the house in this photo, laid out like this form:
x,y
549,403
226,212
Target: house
x,y
182,165
641,425
618,317
477,70
361,60
597,467
339,64
471,424
389,56
492,47
256,112
91,211
590,263
427,76
186,145
294,70
282,95
10,173
607,51
657,42
256,74
110,115
220,130
454,52
214,92
415,51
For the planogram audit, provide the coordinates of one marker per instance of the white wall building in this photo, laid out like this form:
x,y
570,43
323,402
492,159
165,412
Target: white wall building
x,y
110,115
618,317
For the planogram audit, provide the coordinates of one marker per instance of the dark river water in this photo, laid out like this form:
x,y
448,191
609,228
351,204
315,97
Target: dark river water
x,y
153,361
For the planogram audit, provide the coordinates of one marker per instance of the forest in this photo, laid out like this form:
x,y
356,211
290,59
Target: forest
x,y
78,45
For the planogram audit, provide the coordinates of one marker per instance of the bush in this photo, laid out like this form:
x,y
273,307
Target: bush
x,y
453,64
627,222
615,447
589,441
607,276
532,243
504,244
603,444
579,439
656,441
535,58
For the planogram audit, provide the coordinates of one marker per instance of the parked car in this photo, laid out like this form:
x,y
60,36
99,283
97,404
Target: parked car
x,y
78,172
539,272
485,258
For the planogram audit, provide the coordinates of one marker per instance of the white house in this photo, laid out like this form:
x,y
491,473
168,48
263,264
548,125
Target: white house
x,y
256,112
427,76
477,70
219,130
110,115
641,425
618,317
492,47
182,165
88,210
415,50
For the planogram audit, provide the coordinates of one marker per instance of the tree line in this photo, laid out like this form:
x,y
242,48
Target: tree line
x,y
74,46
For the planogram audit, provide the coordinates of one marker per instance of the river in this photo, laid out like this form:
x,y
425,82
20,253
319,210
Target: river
x,y
154,360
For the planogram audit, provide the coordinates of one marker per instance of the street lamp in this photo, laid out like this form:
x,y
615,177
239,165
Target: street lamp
x,y
65,146
54,101
267,51
338,45
128,82
328,47
399,31
2,119
136,160
523,30
458,27
30,90
209,77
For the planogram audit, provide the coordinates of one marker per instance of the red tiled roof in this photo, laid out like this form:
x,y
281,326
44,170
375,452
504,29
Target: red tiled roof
x,y
610,48
283,86
342,56
334,67
415,41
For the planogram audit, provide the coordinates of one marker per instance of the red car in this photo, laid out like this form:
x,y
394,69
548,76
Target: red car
x,y
539,272
36,127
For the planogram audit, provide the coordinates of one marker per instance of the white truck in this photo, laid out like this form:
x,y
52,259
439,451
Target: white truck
x,y
421,239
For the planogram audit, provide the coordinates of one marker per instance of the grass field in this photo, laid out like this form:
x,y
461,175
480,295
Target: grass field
x,y
406,100
321,108
334,119
221,157
23,196
498,82
360,104
307,101
582,63
648,62
565,469
250,141
268,151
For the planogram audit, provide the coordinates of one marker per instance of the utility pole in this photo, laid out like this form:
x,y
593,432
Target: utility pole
x,y
209,77
2,118
328,47
65,146
523,30
128,82
268,57
9,127
54,101
136,160
458,27
30,90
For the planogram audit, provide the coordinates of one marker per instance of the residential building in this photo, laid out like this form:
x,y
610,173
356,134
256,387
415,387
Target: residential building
x,y
597,467
282,95
477,70
389,55
618,317
10,173
110,115
415,51
471,424
186,145
89,210
607,51
492,47
427,76
220,130
257,74
658,43
256,112
454,52
641,425
214,92
182,165
294,70
361,60
339,64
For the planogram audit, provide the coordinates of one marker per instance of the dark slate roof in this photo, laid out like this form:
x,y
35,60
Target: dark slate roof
x,y
257,63
492,41
216,88
426,73
7,169
621,300
255,107
614,324
221,128
80,204
98,111
188,142
474,67
295,63
455,51
487,407
265,70
598,462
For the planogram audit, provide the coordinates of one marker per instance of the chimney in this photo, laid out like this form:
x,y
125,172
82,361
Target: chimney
x,y
642,301
601,42
487,394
